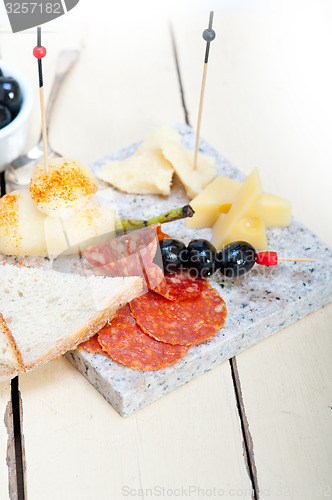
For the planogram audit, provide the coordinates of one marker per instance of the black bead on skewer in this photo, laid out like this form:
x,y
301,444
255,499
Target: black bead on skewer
x,y
209,35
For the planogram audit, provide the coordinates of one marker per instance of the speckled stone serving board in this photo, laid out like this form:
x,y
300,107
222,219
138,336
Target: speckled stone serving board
x,y
260,304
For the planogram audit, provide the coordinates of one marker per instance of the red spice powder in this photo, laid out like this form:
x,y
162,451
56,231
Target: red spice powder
x,y
66,183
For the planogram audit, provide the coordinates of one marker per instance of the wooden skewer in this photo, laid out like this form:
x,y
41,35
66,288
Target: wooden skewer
x,y
40,52
271,259
295,260
44,134
198,130
208,35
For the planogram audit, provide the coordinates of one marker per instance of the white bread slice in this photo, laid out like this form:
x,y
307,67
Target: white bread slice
x,y
6,373
46,313
10,359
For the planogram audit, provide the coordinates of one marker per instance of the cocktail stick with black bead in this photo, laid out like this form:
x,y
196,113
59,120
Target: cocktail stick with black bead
x,y
208,35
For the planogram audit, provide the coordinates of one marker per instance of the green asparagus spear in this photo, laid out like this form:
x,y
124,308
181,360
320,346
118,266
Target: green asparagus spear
x,y
170,216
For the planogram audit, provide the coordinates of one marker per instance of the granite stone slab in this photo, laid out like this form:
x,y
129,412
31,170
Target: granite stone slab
x,y
262,303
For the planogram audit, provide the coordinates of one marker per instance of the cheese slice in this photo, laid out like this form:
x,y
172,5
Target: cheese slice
x,y
277,212
216,198
95,224
163,135
182,160
21,225
145,172
244,220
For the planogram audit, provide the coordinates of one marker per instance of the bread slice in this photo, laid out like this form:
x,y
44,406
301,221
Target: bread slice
x,y
10,358
46,313
6,373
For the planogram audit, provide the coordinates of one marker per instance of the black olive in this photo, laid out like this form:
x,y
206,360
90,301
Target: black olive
x,y
174,255
202,256
5,116
236,259
10,94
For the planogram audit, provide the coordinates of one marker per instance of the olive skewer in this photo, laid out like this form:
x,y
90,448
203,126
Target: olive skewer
x,y
201,258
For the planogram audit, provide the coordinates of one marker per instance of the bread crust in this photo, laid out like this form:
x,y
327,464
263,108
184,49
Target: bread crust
x,y
6,373
95,324
4,328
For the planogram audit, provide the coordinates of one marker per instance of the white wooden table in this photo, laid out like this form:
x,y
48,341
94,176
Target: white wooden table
x,y
258,426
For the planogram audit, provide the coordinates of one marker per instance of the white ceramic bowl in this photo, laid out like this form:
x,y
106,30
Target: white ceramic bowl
x,y
13,136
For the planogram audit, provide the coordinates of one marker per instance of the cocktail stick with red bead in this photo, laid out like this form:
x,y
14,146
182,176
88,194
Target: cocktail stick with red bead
x,y
39,52
201,257
271,259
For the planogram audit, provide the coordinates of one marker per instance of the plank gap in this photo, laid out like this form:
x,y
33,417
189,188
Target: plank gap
x,y
248,445
10,457
175,53
19,448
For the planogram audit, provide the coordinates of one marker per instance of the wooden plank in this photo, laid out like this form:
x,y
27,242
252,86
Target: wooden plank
x,y
190,437
286,388
76,445
7,449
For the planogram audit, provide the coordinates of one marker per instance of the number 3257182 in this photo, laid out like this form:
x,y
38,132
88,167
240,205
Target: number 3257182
x,y
33,7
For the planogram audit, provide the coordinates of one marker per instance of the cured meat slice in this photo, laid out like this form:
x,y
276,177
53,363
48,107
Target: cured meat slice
x,y
129,255
154,276
179,287
116,256
92,345
125,342
185,322
161,235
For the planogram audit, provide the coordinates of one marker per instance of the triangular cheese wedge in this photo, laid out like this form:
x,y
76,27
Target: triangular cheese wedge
x,y
244,221
216,199
277,211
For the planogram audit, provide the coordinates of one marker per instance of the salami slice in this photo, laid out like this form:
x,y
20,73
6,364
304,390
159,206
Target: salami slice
x,y
179,287
92,345
161,235
185,322
125,342
127,254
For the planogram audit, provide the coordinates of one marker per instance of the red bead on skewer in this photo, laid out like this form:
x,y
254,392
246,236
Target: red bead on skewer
x,y
267,258
237,258
271,259
39,52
